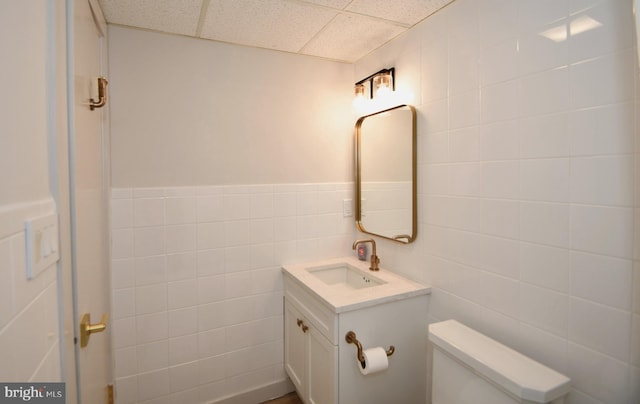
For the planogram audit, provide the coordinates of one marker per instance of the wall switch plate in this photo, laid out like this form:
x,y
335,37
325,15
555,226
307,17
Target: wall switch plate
x,y
41,243
347,208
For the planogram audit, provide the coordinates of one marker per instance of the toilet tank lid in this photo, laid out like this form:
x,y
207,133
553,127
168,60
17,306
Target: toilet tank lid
x,y
516,373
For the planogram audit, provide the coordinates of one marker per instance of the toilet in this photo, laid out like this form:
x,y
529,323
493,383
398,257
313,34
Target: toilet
x,y
471,368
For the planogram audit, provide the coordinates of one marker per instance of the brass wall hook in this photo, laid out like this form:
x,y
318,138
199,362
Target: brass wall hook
x,y
102,94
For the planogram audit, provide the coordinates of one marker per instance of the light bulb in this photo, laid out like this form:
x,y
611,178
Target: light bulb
x,y
382,85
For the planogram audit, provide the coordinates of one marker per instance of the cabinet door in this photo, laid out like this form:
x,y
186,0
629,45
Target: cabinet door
x,y
295,349
323,375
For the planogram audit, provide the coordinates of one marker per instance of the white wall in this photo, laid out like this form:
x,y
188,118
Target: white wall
x,y
235,162
527,181
195,112
24,108
32,114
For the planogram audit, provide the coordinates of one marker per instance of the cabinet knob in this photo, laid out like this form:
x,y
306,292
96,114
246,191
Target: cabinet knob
x,y
302,325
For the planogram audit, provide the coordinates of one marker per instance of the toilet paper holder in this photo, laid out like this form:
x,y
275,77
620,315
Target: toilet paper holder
x,y
350,337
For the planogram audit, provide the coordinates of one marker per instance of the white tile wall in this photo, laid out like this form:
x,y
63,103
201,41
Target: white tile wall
x,y
529,180
29,329
197,285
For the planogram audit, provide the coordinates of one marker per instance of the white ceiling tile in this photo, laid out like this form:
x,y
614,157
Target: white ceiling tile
x,y
408,12
173,16
274,24
337,29
349,37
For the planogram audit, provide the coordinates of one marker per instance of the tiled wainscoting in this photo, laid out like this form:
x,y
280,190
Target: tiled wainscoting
x,y
197,286
29,329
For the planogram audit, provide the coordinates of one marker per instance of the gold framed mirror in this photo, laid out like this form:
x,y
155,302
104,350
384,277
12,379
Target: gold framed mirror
x,y
386,174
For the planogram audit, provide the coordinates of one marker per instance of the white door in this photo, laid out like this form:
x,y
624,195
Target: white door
x,y
295,349
89,181
323,375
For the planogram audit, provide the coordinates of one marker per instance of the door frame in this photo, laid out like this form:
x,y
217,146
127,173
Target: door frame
x,y
70,339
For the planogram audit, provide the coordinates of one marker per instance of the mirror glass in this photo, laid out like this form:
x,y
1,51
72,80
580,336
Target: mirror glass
x,y
386,174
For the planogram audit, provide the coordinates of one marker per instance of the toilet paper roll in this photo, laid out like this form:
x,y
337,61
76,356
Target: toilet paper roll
x,y
375,360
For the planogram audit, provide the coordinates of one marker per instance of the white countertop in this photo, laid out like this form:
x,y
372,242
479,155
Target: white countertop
x,y
395,287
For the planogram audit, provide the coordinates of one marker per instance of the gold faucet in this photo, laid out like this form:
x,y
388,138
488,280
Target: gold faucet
x,y
374,258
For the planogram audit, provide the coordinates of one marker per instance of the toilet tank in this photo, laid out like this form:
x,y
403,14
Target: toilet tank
x,y
471,368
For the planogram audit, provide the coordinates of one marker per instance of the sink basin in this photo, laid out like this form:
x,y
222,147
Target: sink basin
x,y
345,276
346,283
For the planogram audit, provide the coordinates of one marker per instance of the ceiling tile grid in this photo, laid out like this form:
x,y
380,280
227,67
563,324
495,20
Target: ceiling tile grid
x,y
350,36
344,30
171,16
272,24
409,12
337,4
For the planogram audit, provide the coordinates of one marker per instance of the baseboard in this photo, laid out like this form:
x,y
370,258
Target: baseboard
x,y
260,394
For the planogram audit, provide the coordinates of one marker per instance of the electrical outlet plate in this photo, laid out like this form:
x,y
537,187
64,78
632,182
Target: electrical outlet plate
x,y
347,208
41,243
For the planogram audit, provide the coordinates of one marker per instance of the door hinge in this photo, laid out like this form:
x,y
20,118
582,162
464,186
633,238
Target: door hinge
x,y
110,398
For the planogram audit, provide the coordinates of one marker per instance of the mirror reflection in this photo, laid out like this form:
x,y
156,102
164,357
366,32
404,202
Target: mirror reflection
x,y
386,174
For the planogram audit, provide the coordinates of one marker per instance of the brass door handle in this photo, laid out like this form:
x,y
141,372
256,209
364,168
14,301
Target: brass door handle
x,y
86,328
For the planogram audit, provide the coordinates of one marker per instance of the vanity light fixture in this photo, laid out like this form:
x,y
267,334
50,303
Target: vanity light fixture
x,y
380,82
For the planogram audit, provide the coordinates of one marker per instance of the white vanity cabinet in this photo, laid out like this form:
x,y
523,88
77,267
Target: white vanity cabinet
x,y
324,367
310,358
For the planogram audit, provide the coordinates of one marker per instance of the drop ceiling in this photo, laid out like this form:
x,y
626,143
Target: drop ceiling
x,y
344,30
